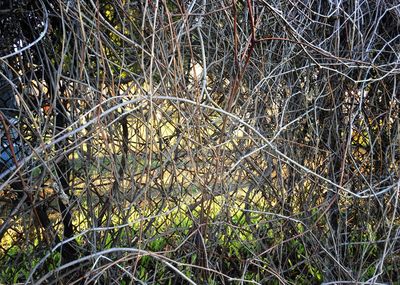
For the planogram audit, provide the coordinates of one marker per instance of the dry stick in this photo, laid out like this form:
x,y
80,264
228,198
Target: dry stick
x,y
5,224
308,230
90,230
240,70
139,253
39,214
135,251
219,110
379,266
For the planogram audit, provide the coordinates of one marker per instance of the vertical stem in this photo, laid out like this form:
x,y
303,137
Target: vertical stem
x,y
63,173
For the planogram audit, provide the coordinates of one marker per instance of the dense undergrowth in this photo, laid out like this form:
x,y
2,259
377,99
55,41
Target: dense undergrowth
x,y
199,142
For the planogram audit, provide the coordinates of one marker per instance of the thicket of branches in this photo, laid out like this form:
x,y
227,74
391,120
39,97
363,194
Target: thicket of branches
x,y
203,141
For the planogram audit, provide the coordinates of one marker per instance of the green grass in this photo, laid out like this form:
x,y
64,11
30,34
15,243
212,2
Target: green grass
x,y
231,236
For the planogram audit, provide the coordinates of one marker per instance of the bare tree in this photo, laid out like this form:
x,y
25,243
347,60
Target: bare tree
x,y
206,142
